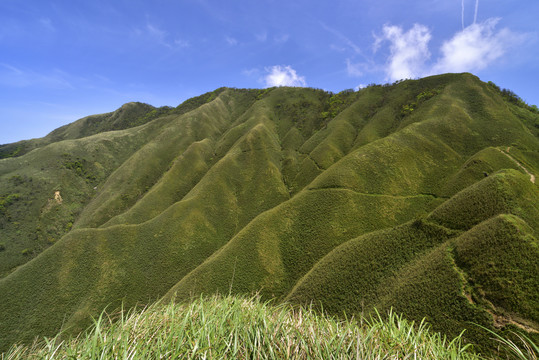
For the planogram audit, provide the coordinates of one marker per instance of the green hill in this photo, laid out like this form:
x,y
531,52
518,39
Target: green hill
x,y
428,268
129,115
417,196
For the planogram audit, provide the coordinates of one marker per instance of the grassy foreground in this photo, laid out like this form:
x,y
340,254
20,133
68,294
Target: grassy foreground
x,y
238,327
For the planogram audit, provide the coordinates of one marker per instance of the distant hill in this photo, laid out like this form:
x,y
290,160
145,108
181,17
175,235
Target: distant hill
x,y
129,115
418,196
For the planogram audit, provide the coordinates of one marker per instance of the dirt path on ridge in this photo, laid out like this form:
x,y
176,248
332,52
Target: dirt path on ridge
x,y
532,177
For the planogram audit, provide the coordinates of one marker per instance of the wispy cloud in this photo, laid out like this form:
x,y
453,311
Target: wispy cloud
x,y
159,36
181,43
231,41
283,76
343,38
251,72
12,76
462,13
474,14
46,23
361,68
156,33
353,69
281,38
261,37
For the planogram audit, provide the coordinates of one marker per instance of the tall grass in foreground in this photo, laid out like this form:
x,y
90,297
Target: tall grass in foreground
x,y
523,349
244,328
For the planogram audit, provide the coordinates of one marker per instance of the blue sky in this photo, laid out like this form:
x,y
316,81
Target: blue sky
x,y
63,60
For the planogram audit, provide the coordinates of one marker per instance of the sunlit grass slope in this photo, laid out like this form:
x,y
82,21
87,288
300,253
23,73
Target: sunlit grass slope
x,y
35,218
428,267
342,200
136,263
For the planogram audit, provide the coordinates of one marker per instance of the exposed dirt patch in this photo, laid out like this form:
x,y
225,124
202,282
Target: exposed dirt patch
x,y
56,200
58,197
501,320
469,297
500,317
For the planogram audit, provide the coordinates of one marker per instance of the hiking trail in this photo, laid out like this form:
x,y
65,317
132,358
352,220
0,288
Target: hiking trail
x,y
532,176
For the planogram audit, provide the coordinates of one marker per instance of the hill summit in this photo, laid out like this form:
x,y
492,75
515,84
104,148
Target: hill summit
x,y
418,196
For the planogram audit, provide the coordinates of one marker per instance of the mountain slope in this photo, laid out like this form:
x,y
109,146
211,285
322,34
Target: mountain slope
x,y
430,267
344,200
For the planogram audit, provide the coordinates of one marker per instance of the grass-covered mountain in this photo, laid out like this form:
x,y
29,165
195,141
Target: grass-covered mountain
x,y
419,196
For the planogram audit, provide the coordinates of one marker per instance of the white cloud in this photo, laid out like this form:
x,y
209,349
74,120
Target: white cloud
x,y
470,50
283,76
360,86
408,50
475,47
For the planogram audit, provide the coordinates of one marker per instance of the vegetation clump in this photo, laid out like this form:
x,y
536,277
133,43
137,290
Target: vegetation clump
x,y
407,109
6,200
80,166
337,103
